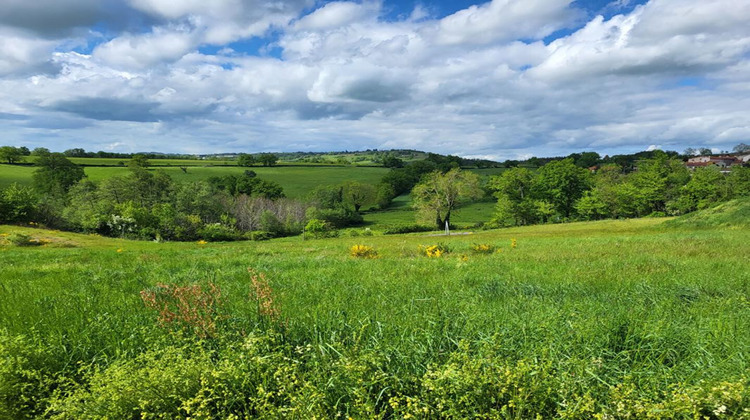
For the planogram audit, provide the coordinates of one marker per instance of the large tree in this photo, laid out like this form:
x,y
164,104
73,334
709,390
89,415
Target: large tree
x,y
561,183
357,194
11,154
516,204
245,159
268,159
56,174
438,194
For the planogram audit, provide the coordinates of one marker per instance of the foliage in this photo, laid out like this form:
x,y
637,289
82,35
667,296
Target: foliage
x,y
410,228
561,183
55,174
138,161
11,154
438,194
363,251
358,195
267,159
245,159
318,228
17,204
434,251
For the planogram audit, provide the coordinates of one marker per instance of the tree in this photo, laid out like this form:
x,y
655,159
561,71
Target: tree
x,y
562,183
56,174
77,152
742,148
268,159
391,161
515,203
11,154
704,151
139,161
245,160
707,187
689,152
358,195
438,194
40,151
17,204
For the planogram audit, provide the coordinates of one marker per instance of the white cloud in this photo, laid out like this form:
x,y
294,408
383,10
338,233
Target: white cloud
x,y
503,20
146,50
21,54
337,14
479,82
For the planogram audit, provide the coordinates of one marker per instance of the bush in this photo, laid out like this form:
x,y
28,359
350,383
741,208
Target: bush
x,y
259,235
217,232
399,229
319,229
434,251
26,376
363,251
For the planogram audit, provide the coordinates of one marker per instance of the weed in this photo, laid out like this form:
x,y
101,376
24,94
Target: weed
x,y
185,307
363,251
484,248
263,295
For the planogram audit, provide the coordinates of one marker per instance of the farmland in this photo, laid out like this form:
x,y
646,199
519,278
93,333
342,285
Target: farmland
x,y
621,319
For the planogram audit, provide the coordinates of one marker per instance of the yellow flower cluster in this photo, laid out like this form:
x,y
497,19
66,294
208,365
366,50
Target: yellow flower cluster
x,y
202,242
484,248
433,251
513,243
363,251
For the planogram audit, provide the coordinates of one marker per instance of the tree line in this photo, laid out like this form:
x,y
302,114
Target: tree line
x,y
562,191
146,204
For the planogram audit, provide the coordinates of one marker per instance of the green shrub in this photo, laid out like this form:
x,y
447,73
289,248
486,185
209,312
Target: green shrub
x,y
318,228
399,229
28,376
216,232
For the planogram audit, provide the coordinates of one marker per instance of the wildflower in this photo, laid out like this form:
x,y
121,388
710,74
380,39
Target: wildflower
x,y
434,251
202,242
363,251
513,243
119,250
483,248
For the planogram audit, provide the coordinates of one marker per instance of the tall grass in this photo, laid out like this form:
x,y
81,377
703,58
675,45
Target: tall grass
x,y
576,320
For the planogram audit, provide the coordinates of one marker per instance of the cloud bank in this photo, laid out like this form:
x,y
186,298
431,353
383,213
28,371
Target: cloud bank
x,y
502,79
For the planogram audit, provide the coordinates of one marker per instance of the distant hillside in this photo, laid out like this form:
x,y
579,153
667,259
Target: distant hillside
x,y
735,213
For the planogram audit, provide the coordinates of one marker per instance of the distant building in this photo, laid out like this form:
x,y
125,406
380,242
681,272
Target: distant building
x,y
722,162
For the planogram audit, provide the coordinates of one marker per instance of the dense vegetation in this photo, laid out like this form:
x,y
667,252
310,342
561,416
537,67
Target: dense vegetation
x,y
564,191
613,319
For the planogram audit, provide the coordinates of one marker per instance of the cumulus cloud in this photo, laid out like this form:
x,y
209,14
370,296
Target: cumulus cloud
x,y
482,81
21,55
503,20
146,50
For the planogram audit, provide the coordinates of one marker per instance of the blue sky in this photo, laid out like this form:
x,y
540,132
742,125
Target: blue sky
x,y
500,79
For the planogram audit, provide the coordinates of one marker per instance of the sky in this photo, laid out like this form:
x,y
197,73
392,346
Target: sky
x,y
505,79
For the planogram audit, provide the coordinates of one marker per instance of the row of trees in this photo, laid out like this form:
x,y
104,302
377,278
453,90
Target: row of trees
x,y
151,205
562,191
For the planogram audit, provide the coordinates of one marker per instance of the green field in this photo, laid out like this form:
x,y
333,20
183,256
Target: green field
x,y
297,181
613,319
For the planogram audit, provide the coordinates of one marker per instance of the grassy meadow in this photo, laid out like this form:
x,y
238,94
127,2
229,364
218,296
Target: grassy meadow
x,y
612,319
297,181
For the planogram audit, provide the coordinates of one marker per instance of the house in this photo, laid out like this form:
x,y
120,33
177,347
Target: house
x,y
723,162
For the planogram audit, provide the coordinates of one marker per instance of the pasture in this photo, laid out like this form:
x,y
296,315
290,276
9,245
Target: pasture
x,y
612,319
